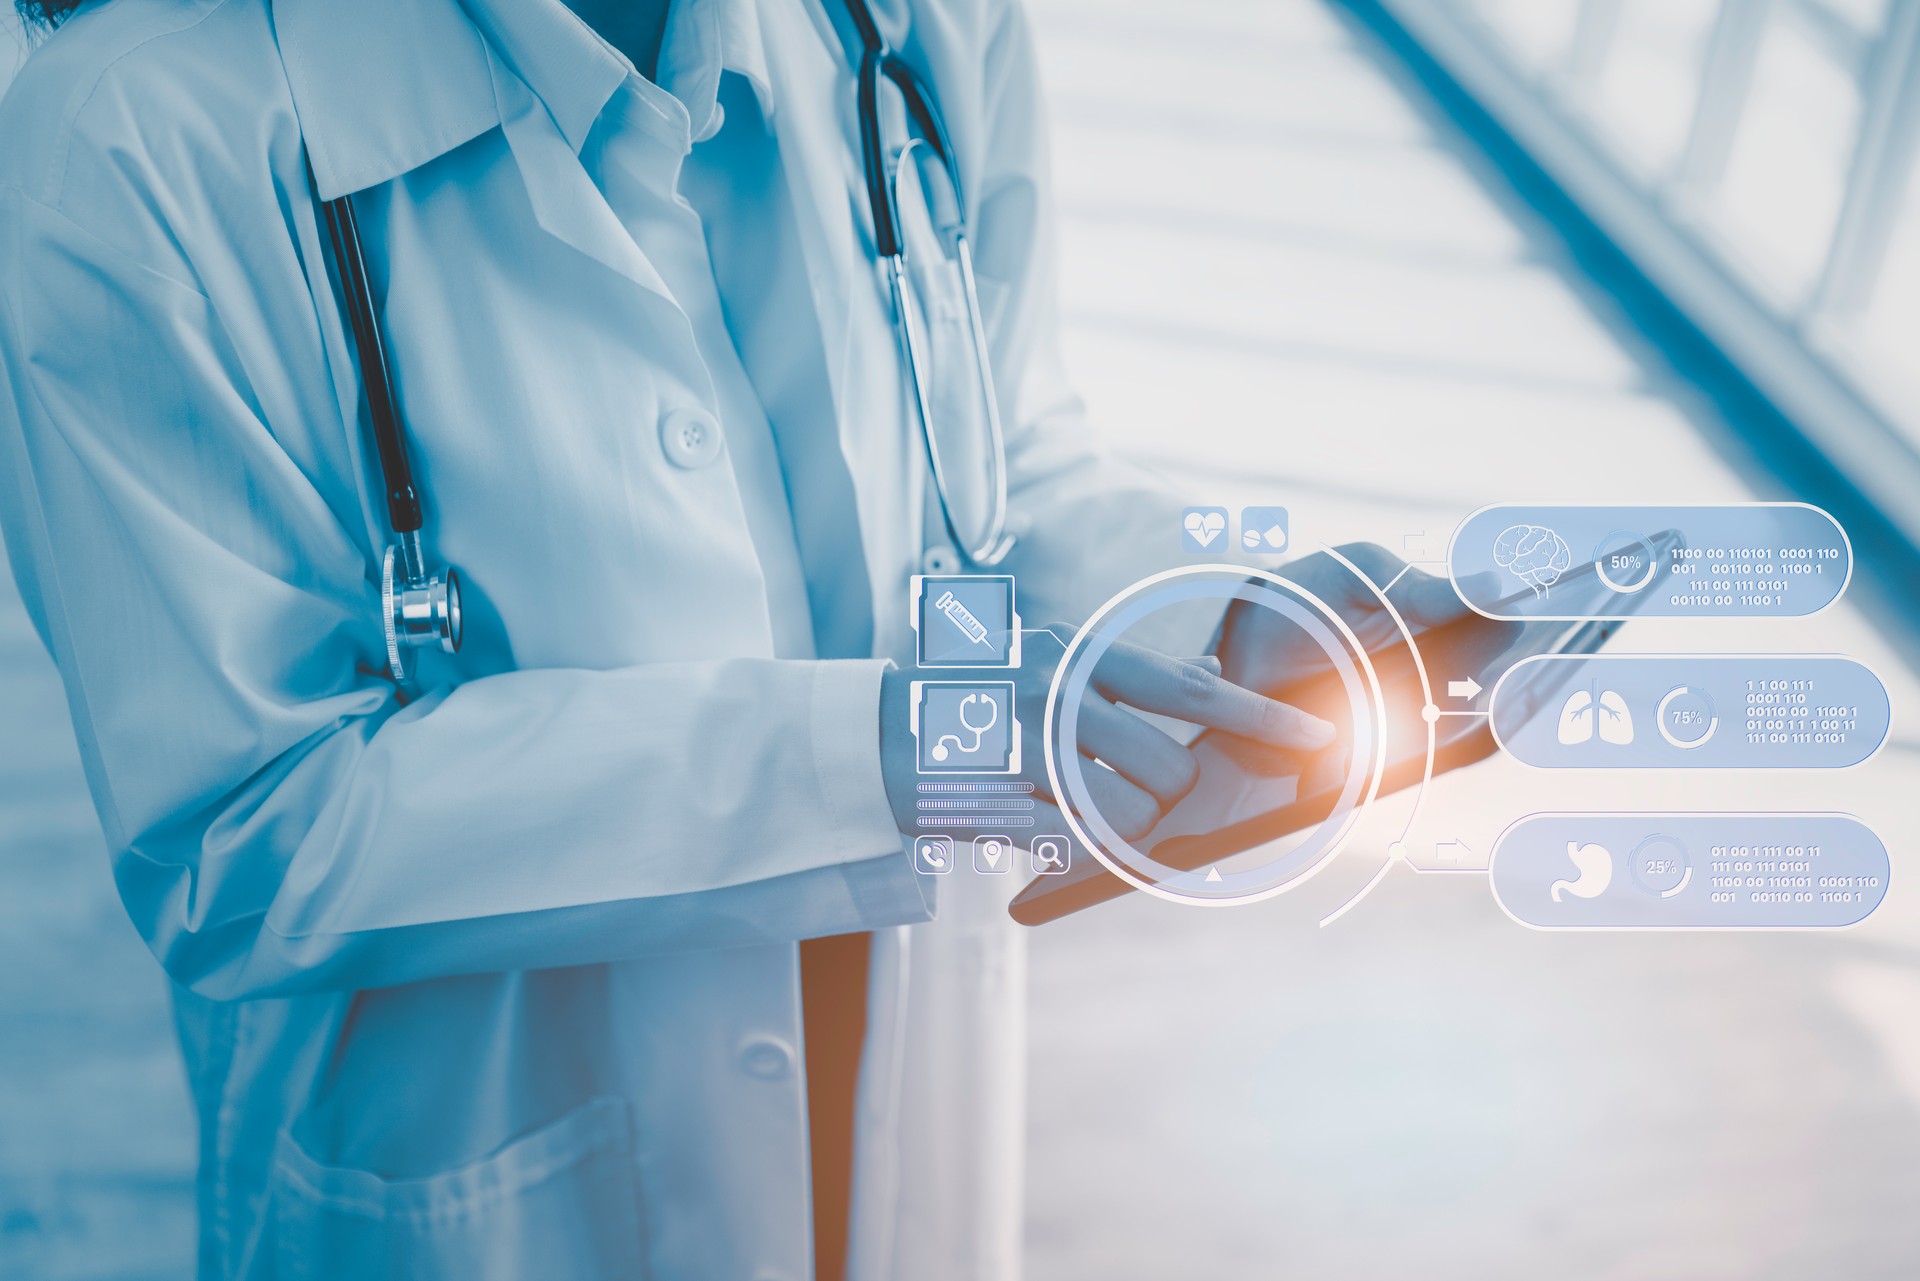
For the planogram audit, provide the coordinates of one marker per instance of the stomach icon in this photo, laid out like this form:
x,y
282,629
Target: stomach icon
x,y
1595,866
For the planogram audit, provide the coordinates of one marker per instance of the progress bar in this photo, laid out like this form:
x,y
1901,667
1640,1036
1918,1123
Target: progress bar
x,y
984,820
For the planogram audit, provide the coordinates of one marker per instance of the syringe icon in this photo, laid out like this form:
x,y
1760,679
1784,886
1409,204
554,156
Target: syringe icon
x,y
962,617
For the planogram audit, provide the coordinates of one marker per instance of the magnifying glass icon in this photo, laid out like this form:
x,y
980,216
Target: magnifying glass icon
x,y
1051,855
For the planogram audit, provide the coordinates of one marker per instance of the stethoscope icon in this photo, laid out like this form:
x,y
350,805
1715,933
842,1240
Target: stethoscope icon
x,y
941,750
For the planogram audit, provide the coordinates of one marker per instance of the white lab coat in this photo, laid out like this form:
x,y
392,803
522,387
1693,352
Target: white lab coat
x,y
502,981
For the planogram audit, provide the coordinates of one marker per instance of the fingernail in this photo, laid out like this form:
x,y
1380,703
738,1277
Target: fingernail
x,y
1434,600
1484,586
1316,732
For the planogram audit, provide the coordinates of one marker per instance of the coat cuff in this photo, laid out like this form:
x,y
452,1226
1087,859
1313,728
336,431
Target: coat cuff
x,y
878,869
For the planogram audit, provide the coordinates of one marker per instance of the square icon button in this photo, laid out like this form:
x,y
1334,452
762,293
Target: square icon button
x,y
965,727
1050,855
992,854
965,620
1264,529
1203,530
933,855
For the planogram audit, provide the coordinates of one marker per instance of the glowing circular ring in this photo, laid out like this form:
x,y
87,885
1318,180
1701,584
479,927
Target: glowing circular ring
x,y
1686,865
1230,583
1599,562
1660,718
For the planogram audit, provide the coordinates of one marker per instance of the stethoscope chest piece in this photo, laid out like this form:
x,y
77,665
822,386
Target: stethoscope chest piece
x,y
942,558
420,609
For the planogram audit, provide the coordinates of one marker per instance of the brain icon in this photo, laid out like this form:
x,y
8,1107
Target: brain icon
x,y
1533,554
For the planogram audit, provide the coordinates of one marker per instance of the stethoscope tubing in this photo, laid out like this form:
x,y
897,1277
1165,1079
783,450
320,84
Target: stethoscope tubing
x,y
420,606
878,60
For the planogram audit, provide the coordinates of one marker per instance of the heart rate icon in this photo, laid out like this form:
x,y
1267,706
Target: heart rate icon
x,y
1205,527
1201,527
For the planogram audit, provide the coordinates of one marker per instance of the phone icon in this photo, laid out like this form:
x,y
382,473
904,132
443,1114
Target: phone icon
x,y
933,854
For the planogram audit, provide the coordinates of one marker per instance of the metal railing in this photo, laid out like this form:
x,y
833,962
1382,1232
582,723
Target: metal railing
x,y
1756,159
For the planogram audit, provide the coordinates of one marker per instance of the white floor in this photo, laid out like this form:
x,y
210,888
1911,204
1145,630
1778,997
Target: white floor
x,y
1282,284
1285,284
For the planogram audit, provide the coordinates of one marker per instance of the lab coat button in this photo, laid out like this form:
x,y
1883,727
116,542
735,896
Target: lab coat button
x,y
691,438
766,1057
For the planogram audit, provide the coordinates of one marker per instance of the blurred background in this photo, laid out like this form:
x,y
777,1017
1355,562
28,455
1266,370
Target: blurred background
x,y
1381,263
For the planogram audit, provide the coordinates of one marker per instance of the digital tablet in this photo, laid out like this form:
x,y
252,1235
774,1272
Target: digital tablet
x,y
1249,795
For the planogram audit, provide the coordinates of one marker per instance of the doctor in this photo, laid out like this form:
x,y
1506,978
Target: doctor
x,y
494,973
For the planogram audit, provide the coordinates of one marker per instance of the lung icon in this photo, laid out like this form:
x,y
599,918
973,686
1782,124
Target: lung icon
x,y
1592,711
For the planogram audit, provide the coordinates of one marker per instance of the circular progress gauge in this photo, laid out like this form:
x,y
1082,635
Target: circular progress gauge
x,y
1686,717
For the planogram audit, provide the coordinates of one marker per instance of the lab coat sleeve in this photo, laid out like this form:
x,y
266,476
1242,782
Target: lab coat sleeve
x,y
1089,523
278,821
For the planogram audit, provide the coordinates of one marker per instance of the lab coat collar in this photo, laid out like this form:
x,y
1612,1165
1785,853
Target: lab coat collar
x,y
569,68
703,39
382,88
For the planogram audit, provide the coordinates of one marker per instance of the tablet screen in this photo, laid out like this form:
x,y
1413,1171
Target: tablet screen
x,y
1239,780
1252,798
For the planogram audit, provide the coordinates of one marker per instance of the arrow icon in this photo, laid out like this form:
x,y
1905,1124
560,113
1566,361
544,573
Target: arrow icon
x,y
1468,688
1213,876
1455,851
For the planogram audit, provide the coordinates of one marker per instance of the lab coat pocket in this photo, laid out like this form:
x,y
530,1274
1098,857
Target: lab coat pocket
x,y
560,1202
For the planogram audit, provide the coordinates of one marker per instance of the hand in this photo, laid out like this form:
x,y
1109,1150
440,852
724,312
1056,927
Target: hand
x,y
1140,771
1262,650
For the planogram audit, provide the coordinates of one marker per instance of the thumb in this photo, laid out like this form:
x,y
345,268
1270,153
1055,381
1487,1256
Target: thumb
x,y
1428,599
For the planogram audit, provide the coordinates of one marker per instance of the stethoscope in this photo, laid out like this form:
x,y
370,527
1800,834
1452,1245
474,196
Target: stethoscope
x,y
940,749
417,606
879,61
420,604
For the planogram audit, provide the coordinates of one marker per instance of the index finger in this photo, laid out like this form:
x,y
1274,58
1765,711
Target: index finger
x,y
1155,682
